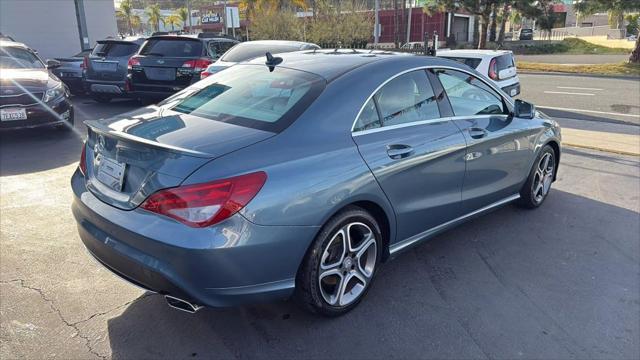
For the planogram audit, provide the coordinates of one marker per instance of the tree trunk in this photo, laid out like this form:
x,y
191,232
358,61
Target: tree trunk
x,y
130,26
476,31
505,15
620,20
484,22
635,55
494,25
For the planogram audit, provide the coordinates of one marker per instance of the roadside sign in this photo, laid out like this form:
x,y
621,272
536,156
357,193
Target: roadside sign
x,y
233,17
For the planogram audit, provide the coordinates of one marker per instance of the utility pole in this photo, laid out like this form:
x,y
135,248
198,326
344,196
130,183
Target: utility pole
x,y
376,27
224,18
409,22
189,11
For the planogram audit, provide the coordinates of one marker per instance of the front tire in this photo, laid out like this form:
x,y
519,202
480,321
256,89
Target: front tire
x,y
340,266
536,188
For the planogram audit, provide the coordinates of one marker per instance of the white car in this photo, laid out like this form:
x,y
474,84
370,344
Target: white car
x,y
498,65
252,49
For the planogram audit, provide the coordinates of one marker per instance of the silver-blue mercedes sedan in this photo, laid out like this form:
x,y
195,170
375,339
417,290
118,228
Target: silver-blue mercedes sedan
x,y
299,174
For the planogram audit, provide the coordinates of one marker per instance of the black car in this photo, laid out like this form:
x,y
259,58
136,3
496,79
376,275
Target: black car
x,y
106,68
526,34
71,71
30,95
167,64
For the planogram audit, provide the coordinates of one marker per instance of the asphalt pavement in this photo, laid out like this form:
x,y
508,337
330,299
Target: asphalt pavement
x,y
561,282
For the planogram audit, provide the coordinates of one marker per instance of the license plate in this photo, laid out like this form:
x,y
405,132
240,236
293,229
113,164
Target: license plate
x,y
13,114
168,74
105,66
111,172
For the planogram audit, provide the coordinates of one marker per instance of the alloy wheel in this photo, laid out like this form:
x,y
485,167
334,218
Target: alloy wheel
x,y
347,264
543,177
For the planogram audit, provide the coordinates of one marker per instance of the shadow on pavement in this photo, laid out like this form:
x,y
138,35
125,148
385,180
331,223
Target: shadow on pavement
x,y
558,282
588,117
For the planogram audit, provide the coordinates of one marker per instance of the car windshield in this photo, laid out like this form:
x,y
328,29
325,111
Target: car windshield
x,y
18,58
114,49
246,51
172,47
470,62
252,96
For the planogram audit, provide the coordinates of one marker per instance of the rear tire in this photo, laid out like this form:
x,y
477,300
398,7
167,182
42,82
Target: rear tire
x,y
536,189
341,263
103,99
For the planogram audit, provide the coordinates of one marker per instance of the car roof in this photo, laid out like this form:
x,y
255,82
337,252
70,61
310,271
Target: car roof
x,y
191,37
13,44
470,53
332,63
277,42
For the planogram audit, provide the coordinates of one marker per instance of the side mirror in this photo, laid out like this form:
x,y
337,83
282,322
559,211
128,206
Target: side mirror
x,y
524,109
52,64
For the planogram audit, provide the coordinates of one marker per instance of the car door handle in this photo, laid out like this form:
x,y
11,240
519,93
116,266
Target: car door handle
x,y
399,151
477,133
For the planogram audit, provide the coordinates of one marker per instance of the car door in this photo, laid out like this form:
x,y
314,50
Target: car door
x,y
499,146
416,155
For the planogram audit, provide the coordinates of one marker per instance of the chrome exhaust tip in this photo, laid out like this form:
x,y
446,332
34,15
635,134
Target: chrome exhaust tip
x,y
182,305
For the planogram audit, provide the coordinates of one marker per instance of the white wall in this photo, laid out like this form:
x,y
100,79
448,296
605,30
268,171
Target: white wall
x,y
51,26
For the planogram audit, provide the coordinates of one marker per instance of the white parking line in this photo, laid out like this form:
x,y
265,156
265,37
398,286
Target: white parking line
x,y
578,88
568,93
589,111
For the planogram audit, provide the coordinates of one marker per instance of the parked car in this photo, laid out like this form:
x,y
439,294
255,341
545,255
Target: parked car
x,y
526,34
413,46
498,65
71,71
251,49
106,68
167,64
299,174
30,95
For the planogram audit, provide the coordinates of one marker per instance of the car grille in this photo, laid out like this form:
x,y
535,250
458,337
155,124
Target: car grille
x,y
21,99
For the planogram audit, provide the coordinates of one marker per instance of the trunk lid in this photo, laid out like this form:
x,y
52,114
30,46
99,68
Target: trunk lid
x,y
138,153
162,60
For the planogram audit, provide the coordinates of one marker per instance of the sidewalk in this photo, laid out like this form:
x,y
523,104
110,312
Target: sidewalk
x,y
621,139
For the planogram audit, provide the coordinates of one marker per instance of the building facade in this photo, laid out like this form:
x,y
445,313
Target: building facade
x,y
58,28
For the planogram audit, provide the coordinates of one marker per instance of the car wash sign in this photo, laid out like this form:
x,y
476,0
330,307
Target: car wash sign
x,y
211,18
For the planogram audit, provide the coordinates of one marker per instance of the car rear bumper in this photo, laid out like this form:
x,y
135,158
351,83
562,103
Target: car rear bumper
x,y
232,263
116,88
56,113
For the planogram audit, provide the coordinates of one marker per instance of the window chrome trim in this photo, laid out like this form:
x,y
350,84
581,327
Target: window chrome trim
x,y
508,99
423,122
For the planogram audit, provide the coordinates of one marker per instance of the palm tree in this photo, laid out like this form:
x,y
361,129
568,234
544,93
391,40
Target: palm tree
x,y
183,14
155,16
172,20
125,12
136,22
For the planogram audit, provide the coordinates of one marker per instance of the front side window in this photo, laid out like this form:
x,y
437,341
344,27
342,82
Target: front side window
x,y
468,95
252,96
407,98
18,58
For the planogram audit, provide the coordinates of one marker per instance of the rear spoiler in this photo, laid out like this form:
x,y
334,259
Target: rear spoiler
x,y
100,128
116,41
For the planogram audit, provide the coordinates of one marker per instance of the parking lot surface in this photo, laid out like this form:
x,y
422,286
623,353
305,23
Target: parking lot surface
x,y
559,282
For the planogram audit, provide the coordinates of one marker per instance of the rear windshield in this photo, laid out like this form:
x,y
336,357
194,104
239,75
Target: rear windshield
x,y
253,96
470,62
172,48
114,49
248,51
526,30
504,61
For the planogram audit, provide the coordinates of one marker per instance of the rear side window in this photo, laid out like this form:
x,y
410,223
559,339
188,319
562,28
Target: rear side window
x,y
253,97
114,49
470,62
172,48
368,118
468,95
406,99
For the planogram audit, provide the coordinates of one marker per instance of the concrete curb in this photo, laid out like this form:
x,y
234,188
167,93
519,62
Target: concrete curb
x,y
581,146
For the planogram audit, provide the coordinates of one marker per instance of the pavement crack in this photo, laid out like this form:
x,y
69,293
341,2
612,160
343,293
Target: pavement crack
x,y
53,307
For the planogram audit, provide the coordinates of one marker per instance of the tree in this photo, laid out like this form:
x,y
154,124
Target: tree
x,y
172,20
183,14
125,12
155,16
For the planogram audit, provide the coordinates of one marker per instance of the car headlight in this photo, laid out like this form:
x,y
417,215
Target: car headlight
x,y
54,93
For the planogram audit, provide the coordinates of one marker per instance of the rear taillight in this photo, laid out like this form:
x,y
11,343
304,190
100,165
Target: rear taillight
x,y
133,62
85,63
203,205
197,65
83,160
204,74
493,69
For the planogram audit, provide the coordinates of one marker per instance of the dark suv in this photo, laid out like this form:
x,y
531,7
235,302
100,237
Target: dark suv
x,y
106,68
167,64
